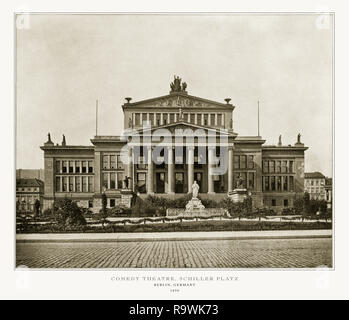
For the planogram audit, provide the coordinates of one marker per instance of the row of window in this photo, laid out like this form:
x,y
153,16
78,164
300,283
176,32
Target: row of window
x,y
74,184
315,190
74,166
112,161
278,166
245,180
278,183
204,119
243,162
314,182
113,180
27,189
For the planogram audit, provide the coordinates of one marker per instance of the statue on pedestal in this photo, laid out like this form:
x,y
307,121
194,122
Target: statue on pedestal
x,y
195,188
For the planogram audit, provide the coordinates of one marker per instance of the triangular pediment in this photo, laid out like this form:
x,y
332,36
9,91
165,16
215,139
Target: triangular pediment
x,y
178,100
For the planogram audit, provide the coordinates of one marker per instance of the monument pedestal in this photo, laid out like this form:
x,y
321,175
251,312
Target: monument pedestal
x,y
194,206
238,195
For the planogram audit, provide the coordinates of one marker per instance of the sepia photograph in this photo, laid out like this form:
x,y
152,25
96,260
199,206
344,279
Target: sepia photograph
x,y
174,141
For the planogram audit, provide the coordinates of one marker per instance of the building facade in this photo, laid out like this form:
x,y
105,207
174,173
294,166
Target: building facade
x,y
27,192
314,184
168,143
328,190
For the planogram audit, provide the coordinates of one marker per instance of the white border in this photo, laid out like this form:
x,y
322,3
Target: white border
x,y
98,284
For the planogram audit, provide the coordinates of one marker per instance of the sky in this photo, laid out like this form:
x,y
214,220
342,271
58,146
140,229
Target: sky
x,y
66,62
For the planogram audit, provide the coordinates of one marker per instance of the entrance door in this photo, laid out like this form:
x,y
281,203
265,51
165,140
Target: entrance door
x,y
179,182
160,182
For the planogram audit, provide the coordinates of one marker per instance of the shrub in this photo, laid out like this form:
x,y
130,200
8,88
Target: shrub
x,y
67,213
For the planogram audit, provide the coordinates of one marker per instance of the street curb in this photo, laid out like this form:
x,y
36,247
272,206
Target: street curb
x,y
290,237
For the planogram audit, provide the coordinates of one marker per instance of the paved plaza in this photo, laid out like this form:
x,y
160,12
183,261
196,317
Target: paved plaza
x,y
266,253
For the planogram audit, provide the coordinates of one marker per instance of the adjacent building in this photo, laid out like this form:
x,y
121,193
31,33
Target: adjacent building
x,y
314,184
328,190
28,190
187,127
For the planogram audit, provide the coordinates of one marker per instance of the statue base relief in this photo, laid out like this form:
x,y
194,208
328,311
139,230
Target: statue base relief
x,y
194,205
238,195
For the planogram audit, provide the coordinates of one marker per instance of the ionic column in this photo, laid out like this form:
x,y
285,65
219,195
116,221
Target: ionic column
x,y
150,177
190,168
161,118
170,171
210,173
196,118
230,170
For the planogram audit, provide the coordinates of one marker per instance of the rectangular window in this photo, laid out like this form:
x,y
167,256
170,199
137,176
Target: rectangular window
x,y
236,162
84,166
272,166
90,203
112,181
144,117
120,178
84,184
65,167
278,183
105,162
285,202
90,166
164,118
90,184
219,119
119,162
171,118
71,166
265,166
112,162
70,184
243,162
212,119
112,203
105,180
250,162
267,186
77,166
158,119
284,167
151,118
278,167
138,119
273,202
285,183
192,118
65,184
58,167
199,118
78,184
58,184
205,119
290,168
272,183
251,180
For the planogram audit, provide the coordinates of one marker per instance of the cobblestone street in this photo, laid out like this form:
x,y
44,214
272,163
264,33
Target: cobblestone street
x,y
301,253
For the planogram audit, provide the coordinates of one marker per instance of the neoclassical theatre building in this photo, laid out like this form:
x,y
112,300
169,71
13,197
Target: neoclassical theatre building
x,y
191,130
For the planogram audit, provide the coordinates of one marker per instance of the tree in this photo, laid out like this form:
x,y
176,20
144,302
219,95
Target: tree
x,y
68,213
104,212
37,207
306,202
299,205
